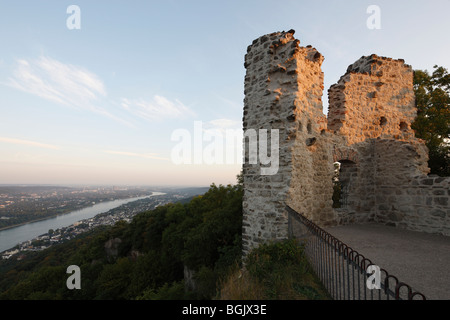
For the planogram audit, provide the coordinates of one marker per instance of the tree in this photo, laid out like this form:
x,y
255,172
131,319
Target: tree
x,y
432,123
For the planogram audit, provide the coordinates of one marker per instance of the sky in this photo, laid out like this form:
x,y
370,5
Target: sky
x,y
113,92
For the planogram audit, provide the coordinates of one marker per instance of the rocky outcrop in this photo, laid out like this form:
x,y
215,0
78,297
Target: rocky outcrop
x,y
112,247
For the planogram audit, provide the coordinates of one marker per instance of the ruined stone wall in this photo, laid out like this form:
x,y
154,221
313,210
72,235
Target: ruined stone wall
x,y
405,196
312,169
368,129
264,195
283,91
374,99
372,107
360,190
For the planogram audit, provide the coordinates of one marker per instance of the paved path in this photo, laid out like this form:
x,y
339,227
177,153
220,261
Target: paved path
x,y
421,260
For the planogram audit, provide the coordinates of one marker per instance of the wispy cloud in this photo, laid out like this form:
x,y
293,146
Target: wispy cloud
x,y
134,154
28,143
64,84
158,108
76,87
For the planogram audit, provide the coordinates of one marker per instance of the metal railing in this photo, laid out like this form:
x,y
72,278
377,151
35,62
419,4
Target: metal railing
x,y
344,272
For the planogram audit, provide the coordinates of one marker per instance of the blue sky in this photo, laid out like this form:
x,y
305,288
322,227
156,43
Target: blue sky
x,y
98,105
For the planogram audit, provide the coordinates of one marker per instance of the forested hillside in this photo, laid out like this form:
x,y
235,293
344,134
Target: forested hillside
x,y
144,259
184,250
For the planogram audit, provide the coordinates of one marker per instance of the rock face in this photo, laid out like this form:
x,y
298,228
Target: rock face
x,y
112,247
383,167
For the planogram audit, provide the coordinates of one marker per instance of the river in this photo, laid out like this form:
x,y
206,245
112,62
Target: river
x,y
11,237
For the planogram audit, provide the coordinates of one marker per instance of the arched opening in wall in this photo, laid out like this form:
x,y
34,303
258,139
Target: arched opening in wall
x,y
383,121
345,172
308,127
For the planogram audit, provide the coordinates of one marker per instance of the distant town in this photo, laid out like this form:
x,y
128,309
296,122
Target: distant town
x,y
22,204
56,196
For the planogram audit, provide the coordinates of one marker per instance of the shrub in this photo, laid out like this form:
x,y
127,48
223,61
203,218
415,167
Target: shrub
x,y
276,270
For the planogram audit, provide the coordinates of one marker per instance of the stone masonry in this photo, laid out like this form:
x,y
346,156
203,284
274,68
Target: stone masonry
x,y
383,167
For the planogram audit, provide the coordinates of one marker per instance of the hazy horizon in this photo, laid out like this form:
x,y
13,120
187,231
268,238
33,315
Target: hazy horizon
x,y
74,185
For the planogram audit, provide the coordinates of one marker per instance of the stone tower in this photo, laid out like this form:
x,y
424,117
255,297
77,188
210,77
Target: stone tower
x,y
283,93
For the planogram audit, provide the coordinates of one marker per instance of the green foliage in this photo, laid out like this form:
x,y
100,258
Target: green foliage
x,y
174,291
220,222
432,123
283,271
46,284
203,234
206,280
269,258
114,279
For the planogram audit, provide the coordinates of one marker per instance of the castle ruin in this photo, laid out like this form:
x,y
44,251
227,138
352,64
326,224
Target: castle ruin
x,y
383,175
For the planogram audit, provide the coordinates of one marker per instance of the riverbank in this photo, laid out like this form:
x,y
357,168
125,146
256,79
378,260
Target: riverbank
x,y
68,211
124,212
11,237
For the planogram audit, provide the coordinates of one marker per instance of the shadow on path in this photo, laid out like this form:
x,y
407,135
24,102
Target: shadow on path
x,y
420,259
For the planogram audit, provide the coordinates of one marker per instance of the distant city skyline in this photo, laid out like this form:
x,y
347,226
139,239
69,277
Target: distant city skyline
x,y
94,97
